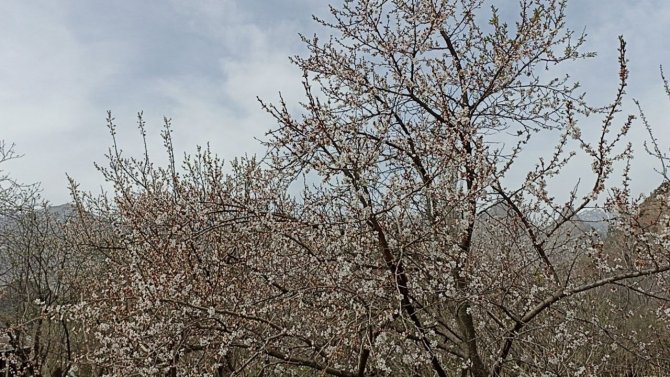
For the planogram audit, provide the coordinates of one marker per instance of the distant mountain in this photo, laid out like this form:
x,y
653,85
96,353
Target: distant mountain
x,y
596,218
655,210
62,211
498,210
652,215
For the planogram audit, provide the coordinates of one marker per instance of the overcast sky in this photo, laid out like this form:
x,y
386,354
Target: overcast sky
x,y
202,63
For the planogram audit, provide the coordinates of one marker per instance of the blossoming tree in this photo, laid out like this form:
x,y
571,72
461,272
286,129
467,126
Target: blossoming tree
x,y
385,233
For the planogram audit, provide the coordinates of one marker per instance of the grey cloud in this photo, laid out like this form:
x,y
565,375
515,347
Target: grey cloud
x,y
64,63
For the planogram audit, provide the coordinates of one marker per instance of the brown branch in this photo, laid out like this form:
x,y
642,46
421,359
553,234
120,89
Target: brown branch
x,y
546,303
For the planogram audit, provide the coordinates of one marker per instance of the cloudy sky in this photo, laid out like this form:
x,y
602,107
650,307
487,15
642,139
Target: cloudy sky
x,y
64,63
